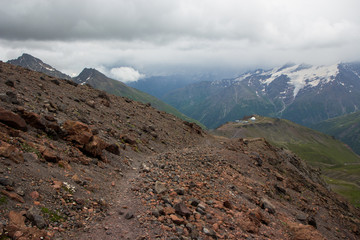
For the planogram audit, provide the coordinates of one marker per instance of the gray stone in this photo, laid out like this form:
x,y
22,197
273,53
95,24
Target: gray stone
x,y
160,187
267,205
33,215
6,182
129,215
209,232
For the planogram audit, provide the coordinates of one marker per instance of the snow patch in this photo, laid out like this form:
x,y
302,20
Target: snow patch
x,y
310,76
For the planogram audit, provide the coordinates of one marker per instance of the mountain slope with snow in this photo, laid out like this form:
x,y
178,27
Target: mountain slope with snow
x,y
301,93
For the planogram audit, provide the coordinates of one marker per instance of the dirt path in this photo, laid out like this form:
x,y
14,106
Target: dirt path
x,y
121,221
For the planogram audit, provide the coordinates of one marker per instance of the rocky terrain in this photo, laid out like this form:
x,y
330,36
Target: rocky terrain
x,y
78,163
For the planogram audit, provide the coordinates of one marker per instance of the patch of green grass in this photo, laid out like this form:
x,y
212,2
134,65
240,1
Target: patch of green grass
x,y
3,200
53,216
349,190
27,148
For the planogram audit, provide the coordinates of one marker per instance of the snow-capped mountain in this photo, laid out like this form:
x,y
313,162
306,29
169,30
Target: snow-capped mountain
x,y
35,64
302,93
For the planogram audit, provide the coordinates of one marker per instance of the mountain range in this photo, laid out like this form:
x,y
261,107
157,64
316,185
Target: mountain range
x,y
98,80
301,93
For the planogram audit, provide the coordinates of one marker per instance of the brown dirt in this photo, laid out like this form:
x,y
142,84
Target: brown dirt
x,y
133,172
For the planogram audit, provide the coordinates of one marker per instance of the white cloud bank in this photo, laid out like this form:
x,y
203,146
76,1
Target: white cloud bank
x,y
126,74
153,35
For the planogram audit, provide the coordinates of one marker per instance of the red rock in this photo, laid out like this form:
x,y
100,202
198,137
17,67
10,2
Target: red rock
x,y
57,184
11,152
17,219
77,132
13,196
34,120
304,232
177,220
50,156
12,119
34,195
169,210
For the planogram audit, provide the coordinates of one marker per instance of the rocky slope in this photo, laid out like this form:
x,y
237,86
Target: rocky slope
x,y
77,163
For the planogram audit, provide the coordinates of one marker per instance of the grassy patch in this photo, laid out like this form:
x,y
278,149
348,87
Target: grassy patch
x,y
347,189
53,216
3,200
27,148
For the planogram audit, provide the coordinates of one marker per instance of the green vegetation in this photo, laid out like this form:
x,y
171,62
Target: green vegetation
x,y
100,81
53,216
3,200
346,128
316,148
349,190
27,148
338,163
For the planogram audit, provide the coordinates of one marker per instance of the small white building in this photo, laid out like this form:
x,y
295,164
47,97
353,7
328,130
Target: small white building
x,y
252,118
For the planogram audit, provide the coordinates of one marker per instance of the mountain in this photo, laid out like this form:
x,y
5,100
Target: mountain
x,y
35,64
340,165
79,163
346,128
301,93
99,81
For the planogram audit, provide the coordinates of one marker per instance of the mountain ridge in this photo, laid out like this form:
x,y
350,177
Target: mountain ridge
x,y
101,81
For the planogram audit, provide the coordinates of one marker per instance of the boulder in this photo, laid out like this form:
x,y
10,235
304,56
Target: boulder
x,y
12,119
50,156
34,120
11,152
34,216
95,147
77,132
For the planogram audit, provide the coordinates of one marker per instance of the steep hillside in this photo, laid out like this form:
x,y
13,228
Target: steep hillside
x,y
78,163
346,128
319,150
102,82
301,93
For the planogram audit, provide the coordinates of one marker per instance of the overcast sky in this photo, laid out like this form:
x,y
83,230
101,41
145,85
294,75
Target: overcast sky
x,y
165,36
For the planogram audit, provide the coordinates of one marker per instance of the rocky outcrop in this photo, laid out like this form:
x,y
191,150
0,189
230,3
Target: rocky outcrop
x,y
12,119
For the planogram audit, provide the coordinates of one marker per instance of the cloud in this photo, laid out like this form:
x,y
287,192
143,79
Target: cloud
x,y
178,35
126,74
